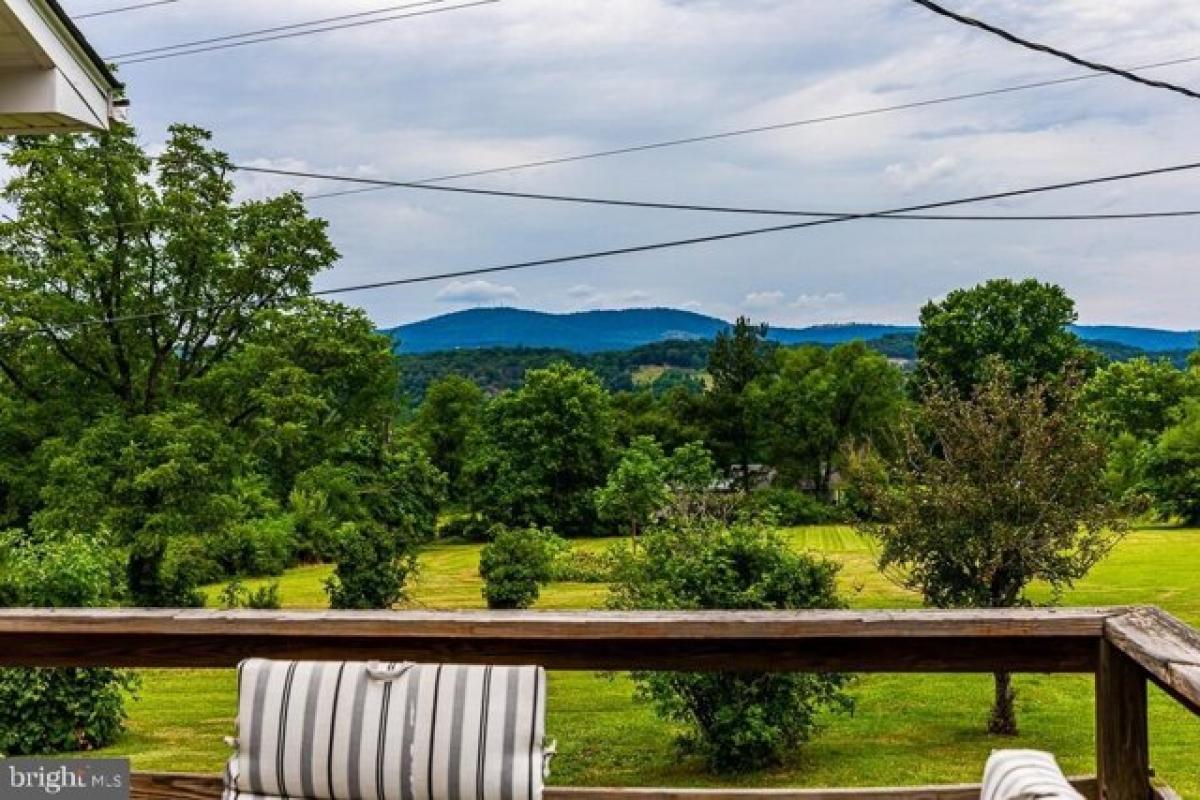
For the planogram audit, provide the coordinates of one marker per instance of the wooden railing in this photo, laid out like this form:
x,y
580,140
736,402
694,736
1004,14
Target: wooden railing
x,y
1124,648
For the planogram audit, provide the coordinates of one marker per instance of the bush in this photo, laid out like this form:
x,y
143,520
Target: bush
x,y
736,721
465,528
788,507
373,565
60,710
235,594
516,564
582,566
262,546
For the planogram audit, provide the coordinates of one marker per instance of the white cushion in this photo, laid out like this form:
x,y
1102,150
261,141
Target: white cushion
x,y
401,731
1025,775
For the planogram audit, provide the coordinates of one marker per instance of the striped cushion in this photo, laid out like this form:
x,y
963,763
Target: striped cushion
x,y
1025,775
348,730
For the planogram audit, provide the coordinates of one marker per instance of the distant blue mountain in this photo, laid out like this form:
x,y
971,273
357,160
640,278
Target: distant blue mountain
x,y
596,331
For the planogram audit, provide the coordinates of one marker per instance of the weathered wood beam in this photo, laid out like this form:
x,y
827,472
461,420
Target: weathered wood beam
x,y
1167,649
1017,640
1122,727
167,786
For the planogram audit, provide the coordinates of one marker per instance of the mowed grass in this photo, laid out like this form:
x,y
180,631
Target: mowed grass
x,y
908,729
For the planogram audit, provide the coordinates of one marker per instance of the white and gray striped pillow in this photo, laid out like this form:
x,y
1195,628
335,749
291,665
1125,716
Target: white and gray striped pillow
x,y
1025,775
349,730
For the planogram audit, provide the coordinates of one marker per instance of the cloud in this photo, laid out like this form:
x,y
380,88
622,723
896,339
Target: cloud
x,y
761,301
819,301
909,176
477,292
582,291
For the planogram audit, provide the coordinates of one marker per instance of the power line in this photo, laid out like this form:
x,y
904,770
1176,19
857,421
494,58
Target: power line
x,y
1063,54
296,34
276,29
620,251
662,206
123,9
778,126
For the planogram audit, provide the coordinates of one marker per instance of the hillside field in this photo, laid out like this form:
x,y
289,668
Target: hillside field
x,y
908,729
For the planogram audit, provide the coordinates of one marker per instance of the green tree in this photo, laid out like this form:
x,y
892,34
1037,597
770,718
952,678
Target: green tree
x,y
819,402
1138,396
446,421
736,721
636,489
137,277
1173,468
516,564
738,357
1023,323
542,450
993,492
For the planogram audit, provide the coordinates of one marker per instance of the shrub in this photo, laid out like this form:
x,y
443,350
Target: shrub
x,y
736,721
516,564
262,546
60,710
789,507
373,565
235,594
582,566
465,528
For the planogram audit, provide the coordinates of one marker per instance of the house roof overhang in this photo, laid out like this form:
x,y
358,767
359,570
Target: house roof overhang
x,y
51,79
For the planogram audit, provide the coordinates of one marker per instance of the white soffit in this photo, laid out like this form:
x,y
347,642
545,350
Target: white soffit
x,y
51,81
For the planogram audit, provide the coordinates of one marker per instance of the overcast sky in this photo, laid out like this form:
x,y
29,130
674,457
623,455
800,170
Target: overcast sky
x,y
523,80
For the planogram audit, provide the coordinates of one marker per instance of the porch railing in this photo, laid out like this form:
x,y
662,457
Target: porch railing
x,y
1126,649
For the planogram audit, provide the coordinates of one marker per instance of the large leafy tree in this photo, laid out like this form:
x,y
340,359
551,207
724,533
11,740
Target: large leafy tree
x,y
1173,467
738,356
992,492
1024,324
1138,397
818,402
446,421
133,277
542,450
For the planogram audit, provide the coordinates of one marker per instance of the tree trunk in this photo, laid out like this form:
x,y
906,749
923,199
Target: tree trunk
x,y
1003,721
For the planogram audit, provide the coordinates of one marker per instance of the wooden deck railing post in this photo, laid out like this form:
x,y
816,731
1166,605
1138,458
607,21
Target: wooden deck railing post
x,y
1122,728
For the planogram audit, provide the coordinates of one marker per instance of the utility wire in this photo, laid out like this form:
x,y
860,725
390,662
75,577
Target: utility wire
x,y
123,9
1063,54
868,112
620,251
662,206
261,31
296,34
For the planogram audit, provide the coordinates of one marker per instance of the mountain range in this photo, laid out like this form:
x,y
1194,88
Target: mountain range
x,y
606,330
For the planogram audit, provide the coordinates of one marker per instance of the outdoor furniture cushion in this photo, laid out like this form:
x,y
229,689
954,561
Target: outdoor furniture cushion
x,y
396,731
1025,775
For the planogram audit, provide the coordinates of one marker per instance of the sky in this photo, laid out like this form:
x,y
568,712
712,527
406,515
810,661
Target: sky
x,y
516,81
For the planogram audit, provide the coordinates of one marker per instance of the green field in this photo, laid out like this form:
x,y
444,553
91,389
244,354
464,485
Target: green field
x,y
908,729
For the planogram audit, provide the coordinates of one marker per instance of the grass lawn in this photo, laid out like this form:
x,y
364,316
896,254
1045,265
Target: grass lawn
x,y
908,729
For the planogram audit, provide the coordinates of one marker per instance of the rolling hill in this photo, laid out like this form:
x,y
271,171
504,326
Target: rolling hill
x,y
600,331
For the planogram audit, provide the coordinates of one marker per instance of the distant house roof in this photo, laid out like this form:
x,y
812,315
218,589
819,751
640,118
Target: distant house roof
x,y
51,79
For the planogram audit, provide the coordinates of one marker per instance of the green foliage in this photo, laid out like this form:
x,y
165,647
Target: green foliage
x,y
789,507
261,546
992,492
738,357
372,568
60,710
541,452
818,403
235,595
516,564
1022,323
582,566
636,489
1138,397
446,421
1173,468
736,721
